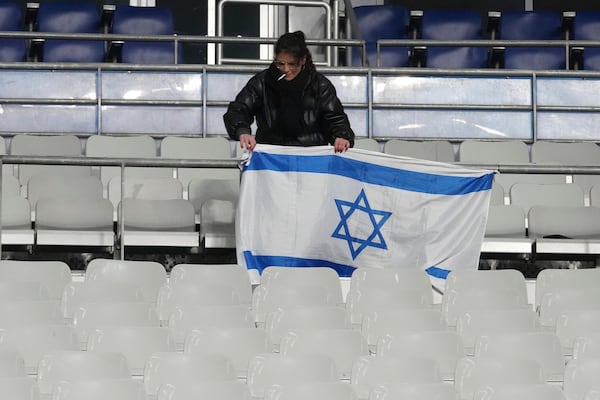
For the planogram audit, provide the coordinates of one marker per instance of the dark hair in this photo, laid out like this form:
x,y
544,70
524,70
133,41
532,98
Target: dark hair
x,y
295,44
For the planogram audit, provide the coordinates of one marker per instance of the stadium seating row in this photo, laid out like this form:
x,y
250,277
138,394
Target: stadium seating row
x,y
507,152
115,324
87,18
398,22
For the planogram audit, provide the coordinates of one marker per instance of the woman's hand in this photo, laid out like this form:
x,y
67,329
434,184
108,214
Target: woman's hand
x,y
247,142
340,145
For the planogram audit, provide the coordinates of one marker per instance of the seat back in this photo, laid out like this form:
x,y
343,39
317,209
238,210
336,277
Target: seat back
x,y
184,370
543,347
569,222
282,277
531,25
455,303
284,319
493,152
581,376
148,275
453,25
55,275
221,274
527,195
37,145
474,323
75,366
151,53
146,21
139,146
370,372
98,389
12,365
59,187
436,150
184,320
75,51
265,370
380,323
587,346
75,294
555,303
11,19
136,343
472,372
19,388
13,50
143,20
313,391
552,280
444,346
11,16
344,346
240,345
569,153
519,392
535,58
224,390
586,25
211,148
367,144
505,221
573,326
70,17
97,315
172,296
34,341
414,391
382,22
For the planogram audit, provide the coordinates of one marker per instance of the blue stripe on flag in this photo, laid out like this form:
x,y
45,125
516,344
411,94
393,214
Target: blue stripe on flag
x,y
261,262
438,272
371,173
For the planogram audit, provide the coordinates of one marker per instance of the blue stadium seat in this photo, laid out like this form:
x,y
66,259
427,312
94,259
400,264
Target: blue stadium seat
x,y
533,25
586,26
143,21
453,25
11,19
535,58
150,53
383,22
58,50
73,17
12,50
70,17
131,20
11,16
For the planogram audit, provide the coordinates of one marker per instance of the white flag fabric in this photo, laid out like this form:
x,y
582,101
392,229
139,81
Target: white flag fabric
x,y
308,206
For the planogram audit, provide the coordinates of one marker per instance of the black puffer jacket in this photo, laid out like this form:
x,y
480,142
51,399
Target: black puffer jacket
x,y
324,118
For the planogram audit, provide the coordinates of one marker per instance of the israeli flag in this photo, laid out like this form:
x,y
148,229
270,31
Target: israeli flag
x,y
302,207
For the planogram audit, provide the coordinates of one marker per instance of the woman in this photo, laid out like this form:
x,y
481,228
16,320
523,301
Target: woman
x,y
294,105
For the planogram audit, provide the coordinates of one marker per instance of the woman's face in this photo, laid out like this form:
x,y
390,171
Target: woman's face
x,y
289,65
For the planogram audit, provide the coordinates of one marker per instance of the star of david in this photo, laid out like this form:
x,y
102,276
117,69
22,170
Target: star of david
x,y
377,219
